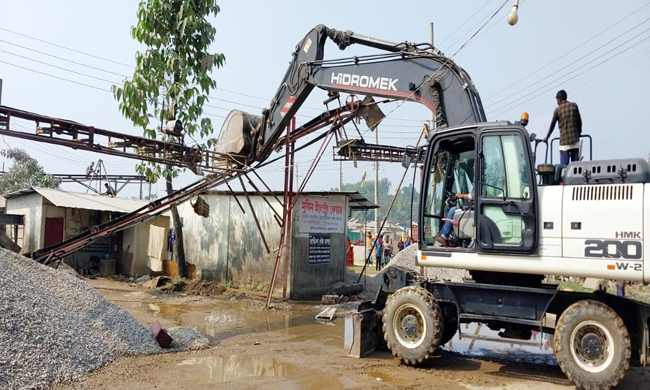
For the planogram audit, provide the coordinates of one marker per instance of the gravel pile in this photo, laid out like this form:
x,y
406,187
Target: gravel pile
x,y
188,339
54,327
406,258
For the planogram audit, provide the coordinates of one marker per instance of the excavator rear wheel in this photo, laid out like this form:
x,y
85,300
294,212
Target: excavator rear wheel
x,y
592,345
412,324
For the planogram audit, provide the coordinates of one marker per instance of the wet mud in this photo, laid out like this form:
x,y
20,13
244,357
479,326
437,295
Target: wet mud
x,y
288,349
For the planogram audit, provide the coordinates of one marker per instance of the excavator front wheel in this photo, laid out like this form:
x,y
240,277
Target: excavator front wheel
x,y
592,345
412,324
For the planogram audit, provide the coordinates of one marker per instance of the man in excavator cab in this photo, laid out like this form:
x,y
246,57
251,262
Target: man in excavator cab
x,y
459,200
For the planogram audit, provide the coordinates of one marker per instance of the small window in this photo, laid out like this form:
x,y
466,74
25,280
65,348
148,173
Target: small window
x,y
504,170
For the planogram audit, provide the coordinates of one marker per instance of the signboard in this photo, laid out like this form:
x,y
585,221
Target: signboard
x,y
319,215
320,246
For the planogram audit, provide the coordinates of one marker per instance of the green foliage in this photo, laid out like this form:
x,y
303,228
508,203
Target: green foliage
x,y
401,212
172,76
24,173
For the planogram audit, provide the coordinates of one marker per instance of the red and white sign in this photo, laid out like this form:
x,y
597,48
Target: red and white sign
x,y
287,106
320,215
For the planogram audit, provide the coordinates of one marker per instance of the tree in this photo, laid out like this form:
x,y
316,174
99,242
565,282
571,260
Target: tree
x,y
172,80
24,173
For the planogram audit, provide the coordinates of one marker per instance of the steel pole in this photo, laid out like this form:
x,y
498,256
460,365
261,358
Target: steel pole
x,y
377,183
432,115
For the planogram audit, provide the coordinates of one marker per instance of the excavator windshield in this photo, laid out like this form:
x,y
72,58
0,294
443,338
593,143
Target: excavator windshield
x,y
451,172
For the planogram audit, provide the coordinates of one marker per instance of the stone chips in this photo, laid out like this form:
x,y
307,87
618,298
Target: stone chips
x,y
54,327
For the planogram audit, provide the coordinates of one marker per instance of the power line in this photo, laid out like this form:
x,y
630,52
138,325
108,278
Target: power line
x,y
132,67
63,59
56,67
464,23
67,48
568,52
499,111
572,63
56,77
480,23
638,59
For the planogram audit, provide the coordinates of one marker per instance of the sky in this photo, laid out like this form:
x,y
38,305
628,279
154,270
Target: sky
x,y
596,50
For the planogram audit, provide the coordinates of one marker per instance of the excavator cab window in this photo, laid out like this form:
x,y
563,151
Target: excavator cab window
x,y
451,171
506,203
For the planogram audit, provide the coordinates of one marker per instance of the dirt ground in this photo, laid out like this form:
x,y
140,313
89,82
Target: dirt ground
x,y
285,348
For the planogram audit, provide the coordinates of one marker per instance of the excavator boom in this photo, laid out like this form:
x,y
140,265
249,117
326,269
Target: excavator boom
x,y
404,71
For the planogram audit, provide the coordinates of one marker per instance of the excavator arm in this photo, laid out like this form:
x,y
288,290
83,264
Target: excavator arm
x,y
404,71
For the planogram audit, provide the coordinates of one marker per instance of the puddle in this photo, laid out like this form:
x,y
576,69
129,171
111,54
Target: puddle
x,y
386,378
221,320
170,310
217,369
225,319
541,353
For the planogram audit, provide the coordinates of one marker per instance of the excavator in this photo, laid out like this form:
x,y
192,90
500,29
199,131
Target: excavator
x,y
520,223
516,223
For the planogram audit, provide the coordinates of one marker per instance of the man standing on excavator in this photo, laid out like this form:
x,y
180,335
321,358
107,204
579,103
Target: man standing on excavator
x,y
568,115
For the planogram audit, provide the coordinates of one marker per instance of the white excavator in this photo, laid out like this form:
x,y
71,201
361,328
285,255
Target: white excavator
x,y
522,222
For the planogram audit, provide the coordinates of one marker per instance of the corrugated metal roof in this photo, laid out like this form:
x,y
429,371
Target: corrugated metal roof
x,y
356,200
77,200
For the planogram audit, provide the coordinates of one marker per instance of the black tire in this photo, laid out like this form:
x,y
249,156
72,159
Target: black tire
x,y
449,330
592,345
412,324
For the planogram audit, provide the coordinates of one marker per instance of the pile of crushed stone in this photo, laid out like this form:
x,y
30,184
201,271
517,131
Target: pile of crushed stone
x,y
55,328
184,339
406,258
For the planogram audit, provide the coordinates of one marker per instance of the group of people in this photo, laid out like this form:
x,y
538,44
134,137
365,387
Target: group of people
x,y
383,249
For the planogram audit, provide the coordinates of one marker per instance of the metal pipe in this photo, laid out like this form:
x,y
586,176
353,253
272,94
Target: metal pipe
x,y
267,188
288,233
257,222
263,197
285,213
235,197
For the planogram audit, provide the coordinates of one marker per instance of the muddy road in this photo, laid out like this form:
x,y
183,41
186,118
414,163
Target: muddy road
x,y
286,348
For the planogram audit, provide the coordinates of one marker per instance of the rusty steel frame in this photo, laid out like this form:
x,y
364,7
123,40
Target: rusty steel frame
x,y
291,147
372,152
75,135
257,222
276,215
178,154
235,196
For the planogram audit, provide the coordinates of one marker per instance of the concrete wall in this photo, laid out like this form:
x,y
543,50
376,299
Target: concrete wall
x,y
227,246
206,239
31,207
311,281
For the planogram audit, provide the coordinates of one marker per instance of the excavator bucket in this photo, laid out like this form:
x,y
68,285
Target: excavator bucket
x,y
363,333
237,134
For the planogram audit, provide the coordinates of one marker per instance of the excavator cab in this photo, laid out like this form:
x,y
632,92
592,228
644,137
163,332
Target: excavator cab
x,y
493,163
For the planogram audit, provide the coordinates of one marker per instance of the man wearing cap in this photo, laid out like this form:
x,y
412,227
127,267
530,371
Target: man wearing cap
x,y
568,115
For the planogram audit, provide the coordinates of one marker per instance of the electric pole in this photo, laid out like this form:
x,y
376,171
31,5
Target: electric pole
x,y
377,183
341,176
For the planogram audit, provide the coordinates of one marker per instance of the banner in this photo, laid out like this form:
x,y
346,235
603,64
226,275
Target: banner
x,y
319,215
320,246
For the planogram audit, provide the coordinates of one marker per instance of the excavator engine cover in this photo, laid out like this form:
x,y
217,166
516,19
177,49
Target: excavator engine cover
x,y
237,134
